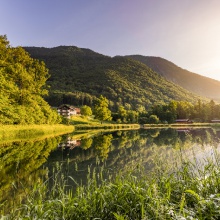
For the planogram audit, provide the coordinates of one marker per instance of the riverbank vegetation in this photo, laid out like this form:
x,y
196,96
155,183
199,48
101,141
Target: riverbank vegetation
x,y
26,132
189,190
168,113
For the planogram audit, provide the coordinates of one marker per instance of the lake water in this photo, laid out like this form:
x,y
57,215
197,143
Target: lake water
x,y
76,155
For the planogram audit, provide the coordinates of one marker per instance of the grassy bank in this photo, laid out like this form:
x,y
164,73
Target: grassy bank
x,y
176,125
89,123
25,132
107,126
189,192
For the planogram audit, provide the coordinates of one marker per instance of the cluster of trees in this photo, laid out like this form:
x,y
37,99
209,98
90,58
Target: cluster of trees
x,y
102,112
158,113
22,86
168,113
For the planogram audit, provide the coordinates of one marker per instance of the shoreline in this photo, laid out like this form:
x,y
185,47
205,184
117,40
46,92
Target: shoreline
x,y
25,132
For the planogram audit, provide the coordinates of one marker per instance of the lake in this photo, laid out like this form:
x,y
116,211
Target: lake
x,y
74,156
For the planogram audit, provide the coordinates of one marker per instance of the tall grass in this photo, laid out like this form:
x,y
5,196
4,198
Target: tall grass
x,y
25,132
186,191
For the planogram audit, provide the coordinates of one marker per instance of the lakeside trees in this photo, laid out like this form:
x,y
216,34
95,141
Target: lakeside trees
x,y
199,112
22,85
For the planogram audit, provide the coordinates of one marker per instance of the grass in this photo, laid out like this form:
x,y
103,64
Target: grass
x,y
84,120
189,191
89,123
108,126
27,132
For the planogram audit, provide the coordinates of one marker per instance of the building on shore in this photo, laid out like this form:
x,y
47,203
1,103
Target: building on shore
x,y
68,110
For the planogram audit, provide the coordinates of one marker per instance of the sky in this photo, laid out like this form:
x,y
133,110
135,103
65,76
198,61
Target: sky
x,y
185,32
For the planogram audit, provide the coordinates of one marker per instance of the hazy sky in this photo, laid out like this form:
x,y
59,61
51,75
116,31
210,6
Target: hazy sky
x,y
186,32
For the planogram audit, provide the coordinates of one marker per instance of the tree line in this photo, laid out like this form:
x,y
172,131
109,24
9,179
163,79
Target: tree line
x,y
157,113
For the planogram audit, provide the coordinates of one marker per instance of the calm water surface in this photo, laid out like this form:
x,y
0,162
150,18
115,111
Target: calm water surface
x,y
24,163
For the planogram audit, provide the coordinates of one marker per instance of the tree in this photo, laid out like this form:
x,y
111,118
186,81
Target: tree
x,y
153,119
22,85
101,110
86,110
132,116
122,113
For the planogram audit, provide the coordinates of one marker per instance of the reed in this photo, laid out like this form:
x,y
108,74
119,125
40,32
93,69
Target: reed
x,y
186,191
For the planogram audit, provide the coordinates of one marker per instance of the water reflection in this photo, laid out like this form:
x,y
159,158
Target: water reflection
x,y
21,166
24,163
123,150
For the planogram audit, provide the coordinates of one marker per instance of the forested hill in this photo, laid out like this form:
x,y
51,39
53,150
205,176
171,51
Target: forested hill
x,y
193,82
79,75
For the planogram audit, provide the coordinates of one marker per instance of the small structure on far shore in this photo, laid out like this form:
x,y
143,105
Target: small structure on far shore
x,y
215,121
184,121
68,110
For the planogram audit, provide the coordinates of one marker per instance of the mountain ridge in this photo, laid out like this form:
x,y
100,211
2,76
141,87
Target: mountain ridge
x,y
193,82
124,81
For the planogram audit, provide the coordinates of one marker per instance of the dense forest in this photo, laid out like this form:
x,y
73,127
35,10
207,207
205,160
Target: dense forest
x,y
22,86
119,88
193,82
78,76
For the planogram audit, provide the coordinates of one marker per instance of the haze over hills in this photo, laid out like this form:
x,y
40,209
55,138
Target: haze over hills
x,y
79,75
193,82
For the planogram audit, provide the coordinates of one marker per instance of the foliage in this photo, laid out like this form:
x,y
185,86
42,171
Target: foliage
x,y
203,86
199,112
22,85
86,110
101,110
153,119
186,192
123,81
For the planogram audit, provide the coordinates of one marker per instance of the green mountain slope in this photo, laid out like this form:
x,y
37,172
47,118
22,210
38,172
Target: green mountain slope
x,y
193,82
86,74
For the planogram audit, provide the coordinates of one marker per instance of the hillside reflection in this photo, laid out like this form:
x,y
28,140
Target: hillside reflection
x,y
77,155
123,150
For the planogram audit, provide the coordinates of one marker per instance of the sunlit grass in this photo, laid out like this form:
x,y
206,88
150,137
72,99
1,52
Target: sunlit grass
x,y
86,122
187,191
26,132
78,119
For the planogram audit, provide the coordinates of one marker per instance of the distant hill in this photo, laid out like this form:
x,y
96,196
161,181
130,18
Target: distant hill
x,y
79,75
193,82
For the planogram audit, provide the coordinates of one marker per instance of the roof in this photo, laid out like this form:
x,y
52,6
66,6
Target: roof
x,y
66,106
